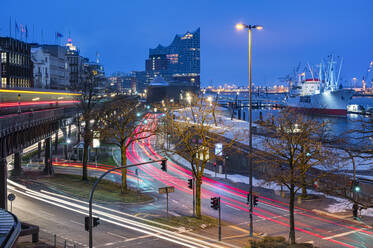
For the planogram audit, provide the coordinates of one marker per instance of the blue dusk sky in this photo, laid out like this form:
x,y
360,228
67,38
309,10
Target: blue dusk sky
x,y
123,31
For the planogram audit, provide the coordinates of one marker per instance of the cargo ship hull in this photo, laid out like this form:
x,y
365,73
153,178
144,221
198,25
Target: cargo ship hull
x,y
327,103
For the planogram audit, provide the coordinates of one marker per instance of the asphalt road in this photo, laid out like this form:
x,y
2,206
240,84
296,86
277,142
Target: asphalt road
x,y
123,228
270,216
64,216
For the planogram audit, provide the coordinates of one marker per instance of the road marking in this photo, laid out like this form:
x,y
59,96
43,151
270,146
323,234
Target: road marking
x,y
175,201
116,235
78,223
233,207
45,213
239,229
343,234
139,237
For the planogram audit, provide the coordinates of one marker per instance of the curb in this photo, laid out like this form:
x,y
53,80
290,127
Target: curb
x,y
321,212
96,201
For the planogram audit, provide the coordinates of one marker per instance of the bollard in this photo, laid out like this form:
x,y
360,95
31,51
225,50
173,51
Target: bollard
x,y
55,241
65,244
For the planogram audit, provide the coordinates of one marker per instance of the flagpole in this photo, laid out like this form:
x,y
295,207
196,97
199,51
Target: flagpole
x,y
10,26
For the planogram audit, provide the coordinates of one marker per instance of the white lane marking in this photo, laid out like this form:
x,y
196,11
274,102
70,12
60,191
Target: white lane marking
x,y
78,223
147,229
139,237
343,234
232,207
116,235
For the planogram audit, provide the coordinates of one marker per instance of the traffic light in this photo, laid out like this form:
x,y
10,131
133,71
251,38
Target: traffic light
x,y
248,198
190,183
255,200
96,221
215,203
355,186
164,165
86,223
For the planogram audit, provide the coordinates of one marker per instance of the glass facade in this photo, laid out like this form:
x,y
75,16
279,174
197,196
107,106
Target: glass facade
x,y
16,65
180,61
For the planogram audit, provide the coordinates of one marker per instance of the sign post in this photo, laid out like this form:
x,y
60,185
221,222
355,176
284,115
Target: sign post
x,y
166,190
11,198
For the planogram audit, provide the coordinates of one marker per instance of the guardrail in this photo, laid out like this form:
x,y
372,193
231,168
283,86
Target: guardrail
x,y
24,120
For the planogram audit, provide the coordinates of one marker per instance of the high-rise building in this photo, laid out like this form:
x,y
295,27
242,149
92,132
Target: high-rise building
x,y
16,65
178,62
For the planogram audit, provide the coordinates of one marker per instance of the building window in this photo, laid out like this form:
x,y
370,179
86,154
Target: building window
x,y
3,82
3,57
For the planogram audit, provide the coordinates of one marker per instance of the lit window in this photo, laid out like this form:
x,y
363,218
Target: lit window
x,y
3,57
3,82
173,58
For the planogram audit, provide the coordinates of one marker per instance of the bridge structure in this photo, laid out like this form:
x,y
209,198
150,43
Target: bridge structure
x,y
20,130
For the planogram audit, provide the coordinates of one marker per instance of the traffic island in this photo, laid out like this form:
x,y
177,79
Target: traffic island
x,y
107,191
274,241
188,223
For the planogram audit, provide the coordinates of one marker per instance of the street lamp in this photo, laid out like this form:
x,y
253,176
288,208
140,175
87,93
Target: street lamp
x,y
209,99
241,26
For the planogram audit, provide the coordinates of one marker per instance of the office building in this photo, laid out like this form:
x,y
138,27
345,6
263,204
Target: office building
x,y
16,64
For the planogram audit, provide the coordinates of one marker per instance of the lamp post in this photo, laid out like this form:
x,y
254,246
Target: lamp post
x,y
241,26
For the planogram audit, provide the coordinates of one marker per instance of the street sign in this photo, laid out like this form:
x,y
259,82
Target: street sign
x,y
203,153
165,190
11,197
219,149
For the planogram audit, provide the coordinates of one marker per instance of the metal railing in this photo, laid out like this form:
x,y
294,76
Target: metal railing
x,y
28,119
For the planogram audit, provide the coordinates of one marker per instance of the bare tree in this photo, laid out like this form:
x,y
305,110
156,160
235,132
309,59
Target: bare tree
x,y
87,103
196,135
291,154
121,123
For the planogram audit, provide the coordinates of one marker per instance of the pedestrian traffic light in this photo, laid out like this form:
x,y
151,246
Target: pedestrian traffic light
x,y
215,203
164,165
86,223
255,200
248,198
190,183
96,221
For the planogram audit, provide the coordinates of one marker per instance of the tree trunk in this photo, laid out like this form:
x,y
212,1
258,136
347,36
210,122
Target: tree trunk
x,y
304,186
213,115
85,158
291,211
124,170
198,197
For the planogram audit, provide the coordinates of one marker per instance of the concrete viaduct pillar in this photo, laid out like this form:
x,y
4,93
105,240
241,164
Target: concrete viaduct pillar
x,y
39,149
48,169
3,184
17,164
56,143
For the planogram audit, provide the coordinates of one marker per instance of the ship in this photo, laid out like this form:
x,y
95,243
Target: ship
x,y
321,95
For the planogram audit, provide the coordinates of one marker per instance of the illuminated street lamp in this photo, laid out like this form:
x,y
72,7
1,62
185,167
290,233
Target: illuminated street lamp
x,y
241,26
189,98
209,99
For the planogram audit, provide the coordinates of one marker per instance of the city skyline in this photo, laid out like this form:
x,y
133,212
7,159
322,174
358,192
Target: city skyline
x,y
293,33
